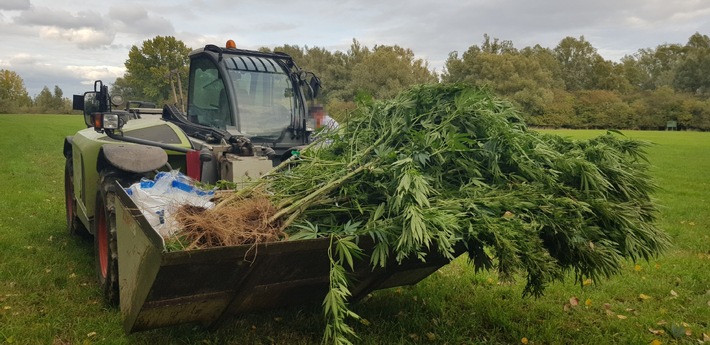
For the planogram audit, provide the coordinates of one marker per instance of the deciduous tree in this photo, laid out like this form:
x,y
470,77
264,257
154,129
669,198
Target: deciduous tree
x,y
578,58
148,68
693,73
387,70
46,102
13,94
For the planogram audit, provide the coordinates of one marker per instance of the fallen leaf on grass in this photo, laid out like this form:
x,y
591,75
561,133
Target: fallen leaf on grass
x,y
524,340
588,302
574,301
365,322
637,268
706,337
656,331
91,335
656,342
644,297
431,336
587,282
674,294
607,306
622,317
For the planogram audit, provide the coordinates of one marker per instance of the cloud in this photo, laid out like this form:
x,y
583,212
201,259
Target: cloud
x,y
135,20
11,5
38,71
85,29
84,38
89,74
44,16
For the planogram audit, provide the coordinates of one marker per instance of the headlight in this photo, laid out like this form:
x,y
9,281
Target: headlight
x,y
110,121
105,121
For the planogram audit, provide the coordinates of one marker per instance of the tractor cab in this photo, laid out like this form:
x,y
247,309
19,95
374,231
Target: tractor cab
x,y
257,95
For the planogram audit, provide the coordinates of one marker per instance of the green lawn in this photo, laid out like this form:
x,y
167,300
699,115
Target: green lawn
x,y
48,293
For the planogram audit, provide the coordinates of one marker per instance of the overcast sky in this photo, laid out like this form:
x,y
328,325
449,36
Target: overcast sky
x,y
71,43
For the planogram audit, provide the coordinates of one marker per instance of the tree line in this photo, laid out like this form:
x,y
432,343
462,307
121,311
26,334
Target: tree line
x,y
15,99
568,86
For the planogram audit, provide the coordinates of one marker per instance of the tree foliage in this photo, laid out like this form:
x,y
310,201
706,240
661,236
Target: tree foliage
x,y
380,72
693,72
572,86
149,68
13,94
577,58
46,102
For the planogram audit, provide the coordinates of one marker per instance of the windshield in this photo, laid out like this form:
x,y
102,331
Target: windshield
x,y
263,95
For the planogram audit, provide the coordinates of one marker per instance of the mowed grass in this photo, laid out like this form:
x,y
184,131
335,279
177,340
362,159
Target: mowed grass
x,y
48,293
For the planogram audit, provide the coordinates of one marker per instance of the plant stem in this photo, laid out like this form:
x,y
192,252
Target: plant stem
x,y
300,205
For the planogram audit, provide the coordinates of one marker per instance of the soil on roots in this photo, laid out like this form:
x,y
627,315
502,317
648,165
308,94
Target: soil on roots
x,y
238,223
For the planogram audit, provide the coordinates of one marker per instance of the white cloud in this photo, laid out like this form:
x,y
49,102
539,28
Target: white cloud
x,y
89,74
45,16
136,20
84,38
10,5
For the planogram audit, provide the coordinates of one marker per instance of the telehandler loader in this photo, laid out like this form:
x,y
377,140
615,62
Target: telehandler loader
x,y
246,112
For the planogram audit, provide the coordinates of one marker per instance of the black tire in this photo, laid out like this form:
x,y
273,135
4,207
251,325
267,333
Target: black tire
x,y
74,224
105,236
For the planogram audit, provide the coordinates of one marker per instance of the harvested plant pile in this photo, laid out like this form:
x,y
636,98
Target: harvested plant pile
x,y
445,165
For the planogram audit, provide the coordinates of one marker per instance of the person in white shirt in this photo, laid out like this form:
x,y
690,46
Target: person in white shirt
x,y
322,122
322,119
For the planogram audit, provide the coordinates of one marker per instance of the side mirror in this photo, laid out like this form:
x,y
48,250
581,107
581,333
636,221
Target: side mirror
x,y
78,102
89,104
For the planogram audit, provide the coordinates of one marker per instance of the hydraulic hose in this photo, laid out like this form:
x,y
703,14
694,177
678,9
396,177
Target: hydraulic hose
x,y
112,135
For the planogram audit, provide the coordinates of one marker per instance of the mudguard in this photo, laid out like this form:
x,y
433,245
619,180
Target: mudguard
x,y
131,157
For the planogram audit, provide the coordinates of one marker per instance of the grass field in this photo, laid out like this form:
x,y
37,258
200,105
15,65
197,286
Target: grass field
x,y
48,293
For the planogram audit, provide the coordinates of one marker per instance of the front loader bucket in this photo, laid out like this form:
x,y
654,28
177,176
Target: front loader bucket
x,y
160,288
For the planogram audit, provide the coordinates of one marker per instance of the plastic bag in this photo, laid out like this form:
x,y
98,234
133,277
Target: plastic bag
x,y
158,199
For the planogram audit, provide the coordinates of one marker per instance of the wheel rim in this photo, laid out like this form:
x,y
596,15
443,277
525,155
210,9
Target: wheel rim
x,y
102,244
